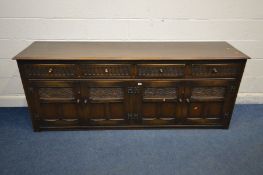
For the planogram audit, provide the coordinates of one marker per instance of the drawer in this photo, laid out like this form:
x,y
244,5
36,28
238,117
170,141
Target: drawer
x,y
216,70
50,70
105,70
161,70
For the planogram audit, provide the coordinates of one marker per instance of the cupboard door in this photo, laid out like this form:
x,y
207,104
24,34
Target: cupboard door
x,y
159,102
57,102
208,101
105,102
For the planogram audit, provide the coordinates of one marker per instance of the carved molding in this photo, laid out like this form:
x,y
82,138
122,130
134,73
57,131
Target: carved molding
x,y
161,93
106,93
208,92
45,93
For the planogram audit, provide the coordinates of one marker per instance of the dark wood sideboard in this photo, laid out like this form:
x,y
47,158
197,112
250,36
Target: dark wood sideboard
x,y
101,85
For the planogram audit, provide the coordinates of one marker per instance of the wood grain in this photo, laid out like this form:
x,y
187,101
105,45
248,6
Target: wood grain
x,y
130,51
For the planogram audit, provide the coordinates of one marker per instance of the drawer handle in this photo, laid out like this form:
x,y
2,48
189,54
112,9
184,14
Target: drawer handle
x,y
106,70
85,101
78,100
180,100
50,70
215,70
188,100
195,108
161,70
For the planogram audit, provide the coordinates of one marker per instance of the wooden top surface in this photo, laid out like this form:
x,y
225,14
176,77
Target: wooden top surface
x,y
130,51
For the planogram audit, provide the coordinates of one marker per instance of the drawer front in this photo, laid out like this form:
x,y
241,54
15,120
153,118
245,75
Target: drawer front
x,y
105,70
50,70
216,70
161,70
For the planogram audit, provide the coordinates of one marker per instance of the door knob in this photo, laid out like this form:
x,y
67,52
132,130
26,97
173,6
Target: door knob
x,y
188,100
50,70
85,101
180,100
215,70
78,100
106,70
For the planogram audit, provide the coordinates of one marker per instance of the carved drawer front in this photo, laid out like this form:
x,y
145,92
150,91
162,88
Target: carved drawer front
x,y
50,70
105,70
215,70
161,70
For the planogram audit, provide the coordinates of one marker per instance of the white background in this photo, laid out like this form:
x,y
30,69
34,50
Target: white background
x,y
240,22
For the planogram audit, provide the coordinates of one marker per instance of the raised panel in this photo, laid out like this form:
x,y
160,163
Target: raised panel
x,y
196,110
159,110
205,110
117,110
214,109
49,111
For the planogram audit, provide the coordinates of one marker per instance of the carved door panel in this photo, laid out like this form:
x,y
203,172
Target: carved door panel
x,y
105,102
57,102
208,101
159,102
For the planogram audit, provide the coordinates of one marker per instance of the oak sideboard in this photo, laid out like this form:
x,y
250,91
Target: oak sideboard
x,y
119,85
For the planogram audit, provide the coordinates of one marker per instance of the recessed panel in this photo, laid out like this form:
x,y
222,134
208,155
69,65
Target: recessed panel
x,y
214,109
196,110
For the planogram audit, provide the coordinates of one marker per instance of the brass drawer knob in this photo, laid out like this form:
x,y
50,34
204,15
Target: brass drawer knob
x,y
50,70
180,100
215,70
195,108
